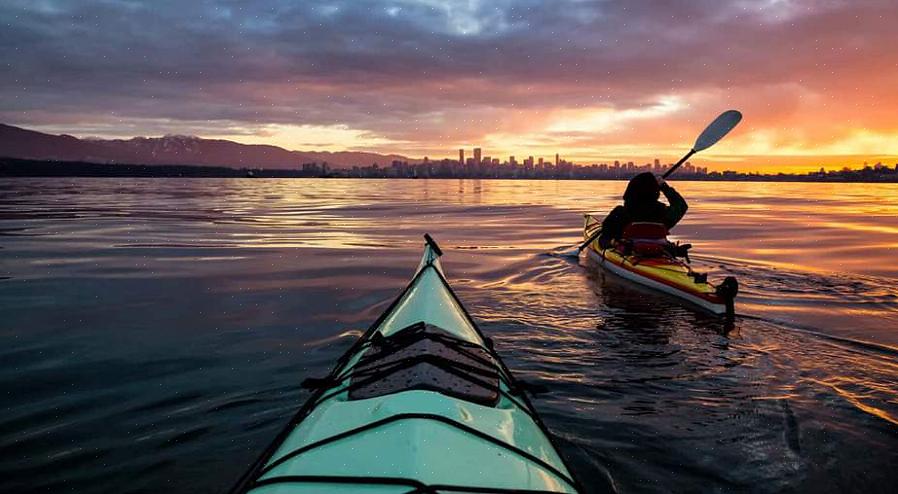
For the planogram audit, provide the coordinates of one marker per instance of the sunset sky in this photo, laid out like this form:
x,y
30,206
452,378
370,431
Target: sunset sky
x,y
817,81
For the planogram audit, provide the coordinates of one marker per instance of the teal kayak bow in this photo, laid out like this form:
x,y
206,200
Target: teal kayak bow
x,y
420,404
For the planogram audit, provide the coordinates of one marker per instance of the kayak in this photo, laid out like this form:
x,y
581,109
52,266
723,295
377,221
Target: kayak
x,y
663,272
420,403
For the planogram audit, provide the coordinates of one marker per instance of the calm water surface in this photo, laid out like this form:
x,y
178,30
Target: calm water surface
x,y
155,330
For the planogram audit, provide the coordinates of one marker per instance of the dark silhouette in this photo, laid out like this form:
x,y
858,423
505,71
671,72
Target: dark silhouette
x,y
16,142
641,205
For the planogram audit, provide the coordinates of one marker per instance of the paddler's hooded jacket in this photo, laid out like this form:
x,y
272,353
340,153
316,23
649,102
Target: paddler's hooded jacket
x,y
641,204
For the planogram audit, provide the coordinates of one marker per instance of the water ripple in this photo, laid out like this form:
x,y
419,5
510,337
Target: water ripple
x,y
159,329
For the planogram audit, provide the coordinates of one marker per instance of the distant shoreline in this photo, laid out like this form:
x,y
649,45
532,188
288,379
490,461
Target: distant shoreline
x,y
14,167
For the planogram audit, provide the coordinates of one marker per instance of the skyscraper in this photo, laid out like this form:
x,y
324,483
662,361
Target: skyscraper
x,y
556,159
476,156
461,157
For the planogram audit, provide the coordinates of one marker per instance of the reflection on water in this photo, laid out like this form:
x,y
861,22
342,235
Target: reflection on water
x,y
155,330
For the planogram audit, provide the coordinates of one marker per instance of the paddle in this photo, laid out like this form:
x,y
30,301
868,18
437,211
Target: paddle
x,y
714,132
720,127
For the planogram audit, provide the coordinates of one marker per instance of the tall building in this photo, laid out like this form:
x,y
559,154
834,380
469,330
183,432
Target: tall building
x,y
461,157
556,159
476,156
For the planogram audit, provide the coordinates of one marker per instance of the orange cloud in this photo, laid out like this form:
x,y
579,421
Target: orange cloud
x,y
592,81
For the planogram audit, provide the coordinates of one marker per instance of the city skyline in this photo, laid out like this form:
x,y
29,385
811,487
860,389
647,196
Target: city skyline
x,y
595,80
477,158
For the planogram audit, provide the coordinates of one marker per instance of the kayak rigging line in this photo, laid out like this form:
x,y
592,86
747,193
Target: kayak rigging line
x,y
420,329
698,277
335,385
417,486
418,416
516,390
457,345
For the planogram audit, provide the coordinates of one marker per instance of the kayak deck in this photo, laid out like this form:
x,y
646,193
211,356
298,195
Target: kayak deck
x,y
421,403
665,273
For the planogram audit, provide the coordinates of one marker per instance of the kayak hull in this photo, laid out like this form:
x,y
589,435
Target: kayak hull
x,y
420,403
665,274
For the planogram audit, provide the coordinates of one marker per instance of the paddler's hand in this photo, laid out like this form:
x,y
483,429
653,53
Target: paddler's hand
x,y
661,182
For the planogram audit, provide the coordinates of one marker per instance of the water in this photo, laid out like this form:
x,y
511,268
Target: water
x,y
155,330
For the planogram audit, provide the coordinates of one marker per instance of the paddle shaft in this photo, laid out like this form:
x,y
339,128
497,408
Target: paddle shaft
x,y
682,160
588,241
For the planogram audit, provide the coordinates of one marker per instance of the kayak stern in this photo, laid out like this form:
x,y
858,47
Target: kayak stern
x,y
664,273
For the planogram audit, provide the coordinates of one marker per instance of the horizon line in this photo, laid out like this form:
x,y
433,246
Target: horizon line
x,y
778,162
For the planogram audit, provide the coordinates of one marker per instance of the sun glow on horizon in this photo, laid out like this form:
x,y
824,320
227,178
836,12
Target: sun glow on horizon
x,y
332,138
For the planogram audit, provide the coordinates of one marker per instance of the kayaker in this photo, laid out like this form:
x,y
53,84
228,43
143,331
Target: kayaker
x,y
641,204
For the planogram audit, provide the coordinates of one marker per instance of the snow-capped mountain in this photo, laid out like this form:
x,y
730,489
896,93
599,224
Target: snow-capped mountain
x,y
16,142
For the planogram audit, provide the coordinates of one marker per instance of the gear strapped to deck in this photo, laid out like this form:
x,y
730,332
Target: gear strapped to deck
x,y
423,356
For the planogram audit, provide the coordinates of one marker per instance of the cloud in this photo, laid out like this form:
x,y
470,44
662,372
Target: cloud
x,y
424,77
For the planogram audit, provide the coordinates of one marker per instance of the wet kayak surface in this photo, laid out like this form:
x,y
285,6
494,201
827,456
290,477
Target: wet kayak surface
x,y
156,330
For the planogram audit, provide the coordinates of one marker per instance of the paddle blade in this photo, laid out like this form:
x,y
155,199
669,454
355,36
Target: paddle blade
x,y
720,127
570,253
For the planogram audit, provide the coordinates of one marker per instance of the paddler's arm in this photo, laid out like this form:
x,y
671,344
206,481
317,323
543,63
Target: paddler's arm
x,y
677,205
612,227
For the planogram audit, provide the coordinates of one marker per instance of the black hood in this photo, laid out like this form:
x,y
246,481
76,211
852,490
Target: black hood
x,y
642,189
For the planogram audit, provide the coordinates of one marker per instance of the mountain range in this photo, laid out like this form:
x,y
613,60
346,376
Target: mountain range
x,y
16,142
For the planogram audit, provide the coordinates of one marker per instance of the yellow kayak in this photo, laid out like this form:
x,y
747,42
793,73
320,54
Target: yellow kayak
x,y
664,272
